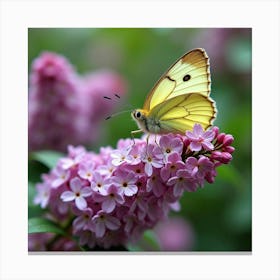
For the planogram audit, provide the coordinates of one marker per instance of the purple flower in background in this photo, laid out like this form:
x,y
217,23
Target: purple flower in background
x,y
175,234
65,108
117,194
102,83
219,42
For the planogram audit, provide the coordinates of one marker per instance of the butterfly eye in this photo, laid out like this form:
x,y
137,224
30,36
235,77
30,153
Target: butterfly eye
x,y
137,115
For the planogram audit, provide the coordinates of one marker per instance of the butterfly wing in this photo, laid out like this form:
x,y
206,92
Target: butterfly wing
x,y
190,73
180,113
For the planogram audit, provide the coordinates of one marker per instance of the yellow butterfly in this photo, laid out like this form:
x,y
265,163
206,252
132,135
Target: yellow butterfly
x,y
180,98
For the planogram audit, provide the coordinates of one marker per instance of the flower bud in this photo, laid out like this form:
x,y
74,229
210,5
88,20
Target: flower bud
x,y
216,131
228,139
229,149
220,137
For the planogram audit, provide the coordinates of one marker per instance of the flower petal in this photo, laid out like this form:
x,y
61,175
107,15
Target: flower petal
x,y
197,130
57,182
75,184
99,228
148,169
172,181
130,190
79,222
157,164
108,205
207,145
81,203
112,223
68,196
85,192
209,135
195,146
158,189
119,198
165,173
178,190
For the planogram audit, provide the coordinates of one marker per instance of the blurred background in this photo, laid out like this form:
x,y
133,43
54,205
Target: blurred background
x,y
217,217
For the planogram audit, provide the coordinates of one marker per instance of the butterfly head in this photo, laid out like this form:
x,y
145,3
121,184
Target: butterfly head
x,y
140,116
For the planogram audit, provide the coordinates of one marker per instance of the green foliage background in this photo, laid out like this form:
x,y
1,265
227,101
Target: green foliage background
x,y
220,214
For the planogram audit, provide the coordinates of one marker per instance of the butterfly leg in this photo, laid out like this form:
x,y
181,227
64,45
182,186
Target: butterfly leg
x,y
135,132
147,140
156,140
148,137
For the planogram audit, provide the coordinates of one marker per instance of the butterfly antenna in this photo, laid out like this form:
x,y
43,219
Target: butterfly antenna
x,y
116,114
110,98
128,105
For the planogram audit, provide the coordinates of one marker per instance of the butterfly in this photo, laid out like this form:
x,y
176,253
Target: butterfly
x,y
180,98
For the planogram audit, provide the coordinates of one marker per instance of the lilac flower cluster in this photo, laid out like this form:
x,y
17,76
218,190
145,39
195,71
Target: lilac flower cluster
x,y
117,194
57,93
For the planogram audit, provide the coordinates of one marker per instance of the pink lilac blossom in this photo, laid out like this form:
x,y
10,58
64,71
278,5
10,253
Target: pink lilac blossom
x,y
200,139
78,193
57,93
116,194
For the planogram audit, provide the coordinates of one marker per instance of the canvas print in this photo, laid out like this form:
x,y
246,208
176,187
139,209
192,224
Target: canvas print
x,y
139,140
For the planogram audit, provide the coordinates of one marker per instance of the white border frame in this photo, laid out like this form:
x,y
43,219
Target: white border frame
x,y
17,16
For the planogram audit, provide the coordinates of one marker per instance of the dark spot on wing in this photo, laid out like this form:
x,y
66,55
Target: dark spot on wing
x,y
186,78
170,79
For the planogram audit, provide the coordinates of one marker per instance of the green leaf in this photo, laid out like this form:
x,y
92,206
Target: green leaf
x,y
35,211
36,225
31,193
48,158
133,248
35,171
